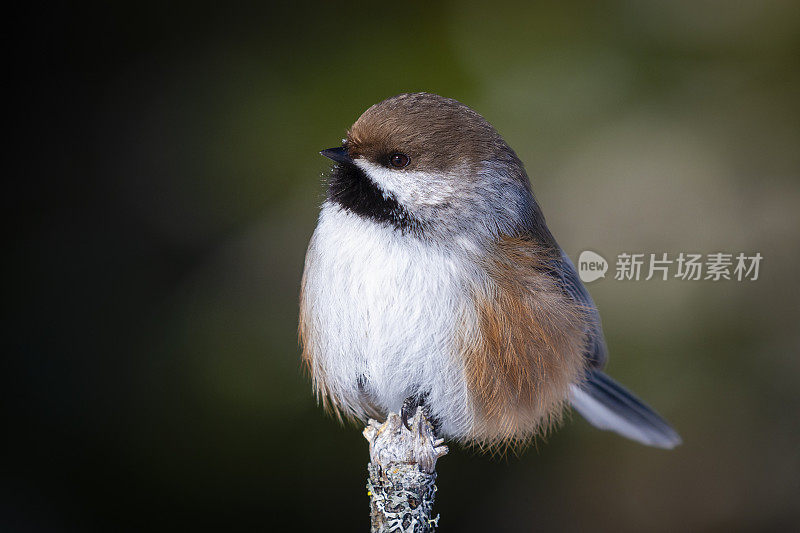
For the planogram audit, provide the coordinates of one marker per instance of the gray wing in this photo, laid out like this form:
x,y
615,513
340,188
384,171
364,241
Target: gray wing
x,y
571,284
602,401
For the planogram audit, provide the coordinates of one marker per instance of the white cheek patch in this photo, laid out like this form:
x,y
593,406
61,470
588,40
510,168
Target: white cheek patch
x,y
412,188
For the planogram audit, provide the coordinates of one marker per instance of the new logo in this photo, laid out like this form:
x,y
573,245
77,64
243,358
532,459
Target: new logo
x,y
591,266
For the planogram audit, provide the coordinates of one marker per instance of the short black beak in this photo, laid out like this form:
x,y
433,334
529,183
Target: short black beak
x,y
339,155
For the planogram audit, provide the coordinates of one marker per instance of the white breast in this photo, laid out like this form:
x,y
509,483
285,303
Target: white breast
x,y
384,306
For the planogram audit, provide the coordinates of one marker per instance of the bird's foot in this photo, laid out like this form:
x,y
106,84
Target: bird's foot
x,y
410,406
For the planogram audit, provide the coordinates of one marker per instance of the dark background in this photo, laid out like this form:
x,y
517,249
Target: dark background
x,y
163,181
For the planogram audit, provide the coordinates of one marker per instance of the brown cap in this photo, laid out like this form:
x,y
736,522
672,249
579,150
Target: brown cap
x,y
435,132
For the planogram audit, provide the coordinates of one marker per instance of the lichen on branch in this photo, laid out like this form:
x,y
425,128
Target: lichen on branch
x,y
402,474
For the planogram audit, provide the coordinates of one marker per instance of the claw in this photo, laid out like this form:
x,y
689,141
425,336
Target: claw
x,y
408,410
410,406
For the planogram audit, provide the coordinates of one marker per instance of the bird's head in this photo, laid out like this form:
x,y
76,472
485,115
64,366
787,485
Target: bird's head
x,y
432,164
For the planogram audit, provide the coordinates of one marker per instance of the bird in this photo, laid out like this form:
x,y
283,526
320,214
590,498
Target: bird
x,y
433,281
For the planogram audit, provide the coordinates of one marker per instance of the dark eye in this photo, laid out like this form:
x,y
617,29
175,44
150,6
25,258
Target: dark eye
x,y
399,160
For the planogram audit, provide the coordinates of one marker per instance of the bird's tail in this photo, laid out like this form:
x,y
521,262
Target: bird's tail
x,y
608,405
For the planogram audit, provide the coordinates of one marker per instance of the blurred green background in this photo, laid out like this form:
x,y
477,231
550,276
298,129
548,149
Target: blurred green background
x,y
165,181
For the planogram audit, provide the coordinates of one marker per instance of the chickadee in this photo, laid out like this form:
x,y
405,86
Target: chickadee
x,y
432,280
